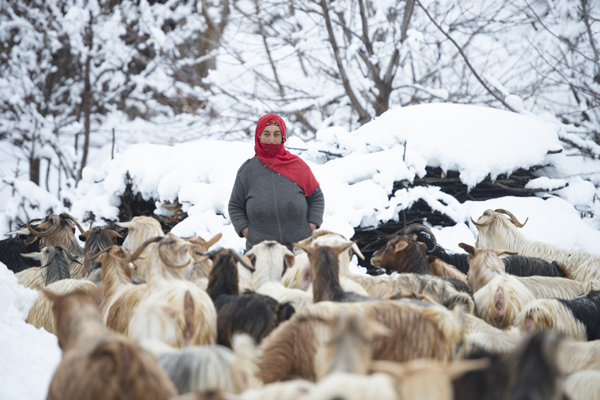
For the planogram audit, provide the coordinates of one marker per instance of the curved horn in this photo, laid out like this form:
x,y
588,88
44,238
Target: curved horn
x,y
242,261
513,219
55,224
22,231
92,257
68,254
69,216
417,228
164,259
142,247
478,224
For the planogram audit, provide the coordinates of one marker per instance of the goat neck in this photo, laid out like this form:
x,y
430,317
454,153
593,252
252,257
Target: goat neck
x,y
324,270
223,279
77,319
115,270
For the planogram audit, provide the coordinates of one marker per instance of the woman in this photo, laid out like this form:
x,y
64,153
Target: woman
x,y
275,195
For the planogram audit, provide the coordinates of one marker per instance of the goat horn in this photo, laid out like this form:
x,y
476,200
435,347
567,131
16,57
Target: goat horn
x,y
142,247
417,228
55,224
22,231
476,223
243,262
51,254
68,254
164,259
513,219
70,217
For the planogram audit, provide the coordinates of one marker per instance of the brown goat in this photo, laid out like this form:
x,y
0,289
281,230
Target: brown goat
x,y
418,331
98,363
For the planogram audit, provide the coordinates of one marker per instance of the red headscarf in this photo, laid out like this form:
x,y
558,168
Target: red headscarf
x,y
276,157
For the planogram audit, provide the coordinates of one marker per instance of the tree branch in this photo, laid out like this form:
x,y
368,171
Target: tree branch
x,y
363,115
465,58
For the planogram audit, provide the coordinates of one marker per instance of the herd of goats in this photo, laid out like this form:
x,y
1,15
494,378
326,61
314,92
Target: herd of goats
x,y
155,316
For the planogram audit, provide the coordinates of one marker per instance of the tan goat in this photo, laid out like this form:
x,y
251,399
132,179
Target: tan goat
x,y
98,363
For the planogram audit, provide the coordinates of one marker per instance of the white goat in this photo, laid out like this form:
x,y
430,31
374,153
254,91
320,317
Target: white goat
x,y
270,261
140,228
498,232
195,368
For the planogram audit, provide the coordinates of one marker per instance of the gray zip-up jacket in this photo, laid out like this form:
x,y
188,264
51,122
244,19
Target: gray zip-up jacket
x,y
272,206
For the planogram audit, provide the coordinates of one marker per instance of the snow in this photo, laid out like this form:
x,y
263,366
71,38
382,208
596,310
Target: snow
x,y
357,183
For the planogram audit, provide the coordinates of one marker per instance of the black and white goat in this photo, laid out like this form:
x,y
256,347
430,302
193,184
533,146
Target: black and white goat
x,y
576,318
248,312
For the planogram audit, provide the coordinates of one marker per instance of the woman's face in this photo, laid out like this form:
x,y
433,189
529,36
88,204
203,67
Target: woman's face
x,y
271,135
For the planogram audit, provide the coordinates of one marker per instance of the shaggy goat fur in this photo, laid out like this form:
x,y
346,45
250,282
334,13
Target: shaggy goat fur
x,y
121,295
99,363
324,271
289,390
290,350
202,263
270,259
59,230
41,315
55,267
576,356
166,285
140,229
441,268
299,276
345,386
483,336
528,372
486,264
350,347
438,289
583,385
498,232
195,368
576,318
249,312
96,240
427,379
499,302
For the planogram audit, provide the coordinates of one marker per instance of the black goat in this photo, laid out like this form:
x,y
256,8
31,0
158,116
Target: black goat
x,y
248,312
529,372
11,251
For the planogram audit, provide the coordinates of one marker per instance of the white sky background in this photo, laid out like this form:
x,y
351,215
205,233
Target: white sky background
x,y
475,141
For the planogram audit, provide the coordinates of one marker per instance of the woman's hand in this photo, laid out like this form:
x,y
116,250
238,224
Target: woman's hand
x,y
312,226
245,232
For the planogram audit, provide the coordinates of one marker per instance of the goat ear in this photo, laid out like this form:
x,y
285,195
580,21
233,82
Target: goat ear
x,y
459,368
467,247
339,249
289,259
500,306
85,235
306,278
213,240
400,245
305,246
52,296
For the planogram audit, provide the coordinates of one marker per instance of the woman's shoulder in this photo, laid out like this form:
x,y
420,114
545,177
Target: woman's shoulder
x,y
247,165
